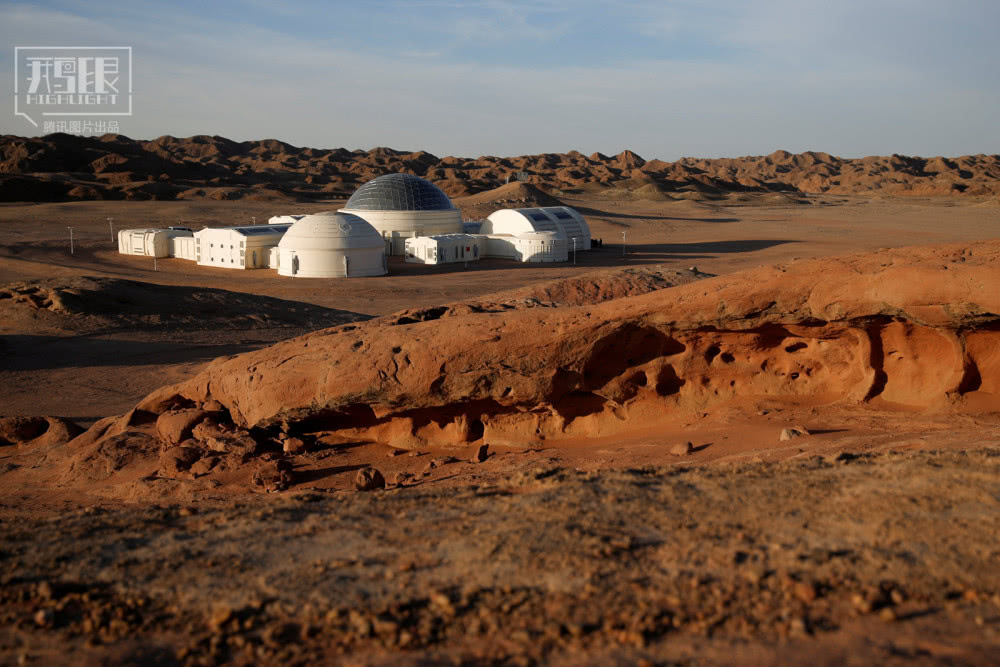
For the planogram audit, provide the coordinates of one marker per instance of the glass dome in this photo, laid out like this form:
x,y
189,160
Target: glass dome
x,y
399,192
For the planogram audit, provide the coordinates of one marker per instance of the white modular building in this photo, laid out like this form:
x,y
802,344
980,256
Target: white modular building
x,y
402,206
184,247
566,222
237,247
331,244
153,242
445,248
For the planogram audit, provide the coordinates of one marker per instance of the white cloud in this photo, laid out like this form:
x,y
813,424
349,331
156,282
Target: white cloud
x,y
791,88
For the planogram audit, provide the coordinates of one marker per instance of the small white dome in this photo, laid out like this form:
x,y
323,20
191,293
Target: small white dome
x,y
331,230
331,244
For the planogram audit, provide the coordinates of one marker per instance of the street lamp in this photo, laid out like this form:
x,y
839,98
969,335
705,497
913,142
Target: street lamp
x,y
111,226
71,241
623,245
574,250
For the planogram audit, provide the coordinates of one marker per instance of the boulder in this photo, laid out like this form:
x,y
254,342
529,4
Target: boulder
x,y
224,438
175,426
178,459
681,449
369,479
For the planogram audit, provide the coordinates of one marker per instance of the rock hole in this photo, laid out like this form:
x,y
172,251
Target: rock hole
x,y
971,378
711,353
727,358
357,345
667,382
397,350
795,347
506,392
794,376
476,429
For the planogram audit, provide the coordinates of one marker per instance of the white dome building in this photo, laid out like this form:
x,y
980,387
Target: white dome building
x,y
402,206
566,222
331,244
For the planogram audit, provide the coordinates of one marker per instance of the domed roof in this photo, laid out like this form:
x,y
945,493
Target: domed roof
x,y
399,192
331,230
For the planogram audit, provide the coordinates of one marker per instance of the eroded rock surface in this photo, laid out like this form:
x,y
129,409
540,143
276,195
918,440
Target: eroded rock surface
x,y
911,329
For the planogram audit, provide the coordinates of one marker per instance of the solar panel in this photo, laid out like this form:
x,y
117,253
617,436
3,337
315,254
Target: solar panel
x,y
563,215
538,217
262,230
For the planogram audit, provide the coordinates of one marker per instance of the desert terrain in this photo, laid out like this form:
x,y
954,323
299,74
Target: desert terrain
x,y
758,425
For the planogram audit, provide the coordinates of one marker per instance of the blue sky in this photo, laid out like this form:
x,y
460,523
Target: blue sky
x,y
504,77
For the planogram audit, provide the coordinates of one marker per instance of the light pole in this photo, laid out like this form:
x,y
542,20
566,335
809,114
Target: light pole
x,y
574,250
111,226
71,241
623,245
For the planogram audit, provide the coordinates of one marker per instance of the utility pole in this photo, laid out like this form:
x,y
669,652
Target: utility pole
x,y
111,226
623,246
71,241
574,250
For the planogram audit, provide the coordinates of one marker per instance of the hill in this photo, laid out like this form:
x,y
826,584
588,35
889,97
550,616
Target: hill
x,y
62,167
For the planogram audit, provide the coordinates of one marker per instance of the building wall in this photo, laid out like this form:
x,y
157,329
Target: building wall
x,y
327,263
397,226
151,242
445,249
183,247
502,247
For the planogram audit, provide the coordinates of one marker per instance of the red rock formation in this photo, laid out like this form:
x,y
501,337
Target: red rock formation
x,y
911,329
61,166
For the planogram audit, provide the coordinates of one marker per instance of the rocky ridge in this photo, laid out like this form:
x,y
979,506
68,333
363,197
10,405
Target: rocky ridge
x,y
60,167
910,329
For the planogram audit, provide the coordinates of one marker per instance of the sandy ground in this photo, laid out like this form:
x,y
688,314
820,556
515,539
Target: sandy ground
x,y
632,554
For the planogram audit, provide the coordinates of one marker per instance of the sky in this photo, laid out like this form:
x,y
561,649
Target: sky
x,y
666,79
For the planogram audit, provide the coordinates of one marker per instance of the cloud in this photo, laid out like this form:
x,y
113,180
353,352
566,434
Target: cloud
x,y
748,83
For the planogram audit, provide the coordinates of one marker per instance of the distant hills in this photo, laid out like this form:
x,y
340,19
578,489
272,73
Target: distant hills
x,y
63,167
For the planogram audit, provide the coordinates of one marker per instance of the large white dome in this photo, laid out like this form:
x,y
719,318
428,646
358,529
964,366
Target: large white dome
x,y
399,192
331,244
401,206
